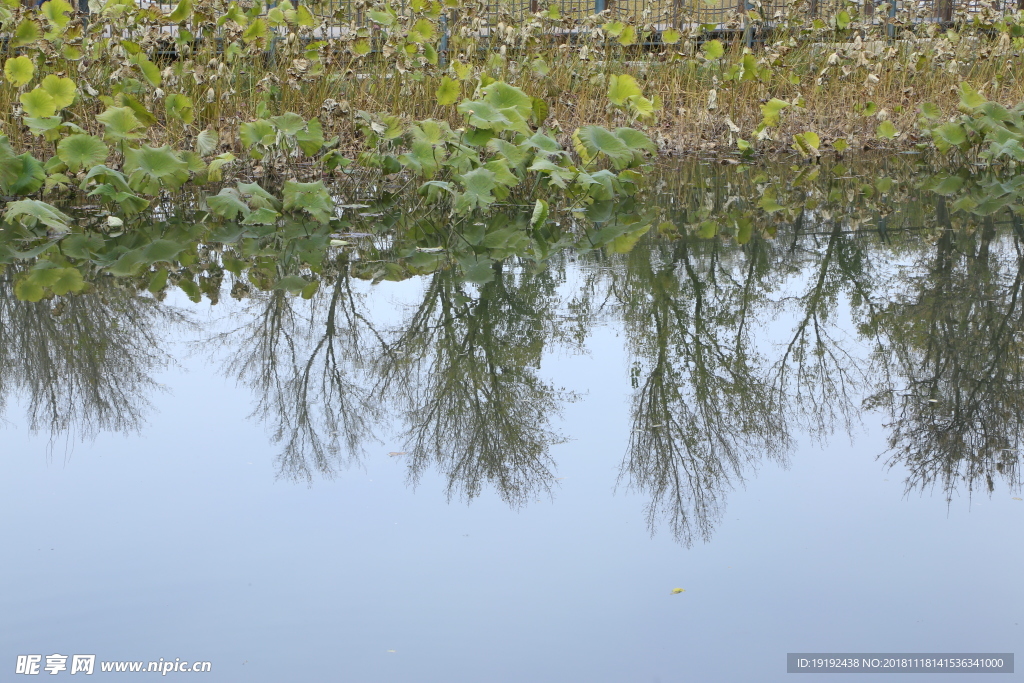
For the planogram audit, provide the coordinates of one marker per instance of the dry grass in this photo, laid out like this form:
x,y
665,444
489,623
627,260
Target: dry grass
x,y
839,85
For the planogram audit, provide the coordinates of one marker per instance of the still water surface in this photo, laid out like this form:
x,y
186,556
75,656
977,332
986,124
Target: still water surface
x,y
814,433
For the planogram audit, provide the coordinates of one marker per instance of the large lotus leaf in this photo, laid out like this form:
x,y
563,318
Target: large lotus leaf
x,y
67,280
289,123
184,10
422,159
771,111
26,33
56,12
26,289
150,71
478,185
590,141
311,138
257,32
636,140
206,142
478,270
293,284
503,175
29,175
151,169
484,115
515,154
179,108
312,198
431,131
501,95
259,132
621,88
423,31
19,70
104,175
227,204
262,217
162,250
543,143
46,126
448,91
215,172
28,212
129,203
121,124
145,116
257,197
38,103
129,263
82,151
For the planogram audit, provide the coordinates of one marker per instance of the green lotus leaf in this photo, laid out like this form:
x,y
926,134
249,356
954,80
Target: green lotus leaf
x,y
150,71
292,284
590,141
484,115
621,88
19,70
152,169
121,124
29,175
447,92
38,103
312,198
228,204
206,142
257,197
67,280
26,33
179,108
162,250
27,290
503,96
82,151
56,12
478,186
311,138
289,123
28,212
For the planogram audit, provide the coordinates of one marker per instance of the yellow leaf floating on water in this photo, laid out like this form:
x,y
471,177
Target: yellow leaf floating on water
x,y
678,590
1016,498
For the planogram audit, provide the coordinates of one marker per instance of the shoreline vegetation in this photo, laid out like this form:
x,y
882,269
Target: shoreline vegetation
x,y
263,119
842,74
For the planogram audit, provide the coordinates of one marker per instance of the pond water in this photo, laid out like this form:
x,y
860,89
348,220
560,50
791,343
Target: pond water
x,y
810,423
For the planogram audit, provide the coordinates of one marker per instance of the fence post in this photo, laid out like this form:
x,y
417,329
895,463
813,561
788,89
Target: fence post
x,y
444,41
601,5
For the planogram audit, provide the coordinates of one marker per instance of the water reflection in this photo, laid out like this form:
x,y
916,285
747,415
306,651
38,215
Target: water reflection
x,y
950,347
703,408
473,404
84,363
771,307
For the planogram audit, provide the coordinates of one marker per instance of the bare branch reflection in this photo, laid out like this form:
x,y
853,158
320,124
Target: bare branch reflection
x,y
475,406
84,363
703,409
954,337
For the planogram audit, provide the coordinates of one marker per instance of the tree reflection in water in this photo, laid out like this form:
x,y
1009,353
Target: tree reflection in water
x,y
952,336
837,303
84,363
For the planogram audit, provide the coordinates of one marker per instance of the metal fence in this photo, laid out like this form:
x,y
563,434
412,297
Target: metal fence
x,y
663,14
680,13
